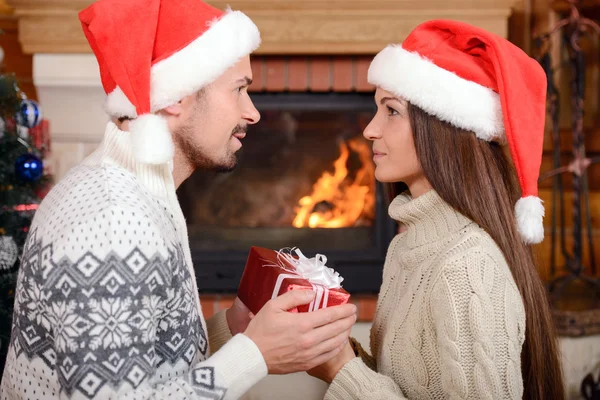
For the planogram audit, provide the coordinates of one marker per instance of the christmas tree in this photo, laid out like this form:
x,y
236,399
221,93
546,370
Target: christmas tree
x,y
22,183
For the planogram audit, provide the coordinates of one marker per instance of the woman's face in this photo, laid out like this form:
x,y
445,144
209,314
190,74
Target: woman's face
x,y
394,151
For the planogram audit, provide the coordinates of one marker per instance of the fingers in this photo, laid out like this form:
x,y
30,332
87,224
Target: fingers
x,y
323,358
332,330
329,344
292,299
331,314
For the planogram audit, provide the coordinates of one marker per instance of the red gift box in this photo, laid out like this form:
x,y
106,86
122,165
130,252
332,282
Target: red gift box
x,y
266,270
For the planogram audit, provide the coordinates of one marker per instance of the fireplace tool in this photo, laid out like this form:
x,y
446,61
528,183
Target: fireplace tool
x,y
571,29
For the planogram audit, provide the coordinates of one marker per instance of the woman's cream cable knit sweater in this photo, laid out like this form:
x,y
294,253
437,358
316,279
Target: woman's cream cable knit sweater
x,y
450,322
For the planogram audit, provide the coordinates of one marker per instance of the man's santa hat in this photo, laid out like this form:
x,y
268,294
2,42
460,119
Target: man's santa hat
x,y
152,53
480,82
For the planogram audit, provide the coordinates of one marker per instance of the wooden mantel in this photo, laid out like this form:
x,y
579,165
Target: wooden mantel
x,y
287,26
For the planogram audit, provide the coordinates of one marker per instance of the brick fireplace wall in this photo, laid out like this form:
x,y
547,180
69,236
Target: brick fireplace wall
x,y
314,74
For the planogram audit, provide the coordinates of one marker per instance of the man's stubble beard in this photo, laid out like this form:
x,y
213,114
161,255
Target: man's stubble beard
x,y
196,155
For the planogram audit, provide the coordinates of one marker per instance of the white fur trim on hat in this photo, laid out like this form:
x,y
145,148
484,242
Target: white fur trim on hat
x,y
151,139
195,66
439,92
529,212
118,105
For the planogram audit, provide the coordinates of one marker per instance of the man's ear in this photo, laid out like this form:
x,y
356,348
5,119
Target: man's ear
x,y
175,109
182,105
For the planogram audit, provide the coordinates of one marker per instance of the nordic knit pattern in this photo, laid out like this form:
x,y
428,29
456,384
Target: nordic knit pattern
x,y
106,303
450,322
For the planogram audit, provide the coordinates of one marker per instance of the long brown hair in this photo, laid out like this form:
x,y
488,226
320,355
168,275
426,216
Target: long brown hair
x,y
477,179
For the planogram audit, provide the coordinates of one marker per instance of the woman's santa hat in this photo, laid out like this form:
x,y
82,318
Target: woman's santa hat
x,y
480,82
152,53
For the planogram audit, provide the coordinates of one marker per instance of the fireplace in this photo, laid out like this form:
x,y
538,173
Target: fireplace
x,y
305,178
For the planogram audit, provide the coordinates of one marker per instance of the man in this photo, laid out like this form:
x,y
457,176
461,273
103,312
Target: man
x,y
106,304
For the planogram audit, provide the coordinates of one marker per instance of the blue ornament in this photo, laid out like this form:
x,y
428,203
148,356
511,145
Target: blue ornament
x,y
29,114
29,167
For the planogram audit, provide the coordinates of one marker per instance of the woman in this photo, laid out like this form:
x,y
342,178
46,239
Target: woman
x,y
462,313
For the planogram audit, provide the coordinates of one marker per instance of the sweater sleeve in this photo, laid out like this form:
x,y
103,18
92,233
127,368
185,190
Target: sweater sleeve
x,y
368,359
358,379
359,382
479,324
218,330
124,323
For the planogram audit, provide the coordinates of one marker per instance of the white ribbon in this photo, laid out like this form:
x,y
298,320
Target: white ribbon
x,y
314,270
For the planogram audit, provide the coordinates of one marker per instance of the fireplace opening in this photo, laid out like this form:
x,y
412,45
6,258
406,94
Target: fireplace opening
x,y
305,178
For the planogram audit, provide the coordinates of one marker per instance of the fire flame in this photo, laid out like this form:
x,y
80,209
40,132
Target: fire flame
x,y
338,201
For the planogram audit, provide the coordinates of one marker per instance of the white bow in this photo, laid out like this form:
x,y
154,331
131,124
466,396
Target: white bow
x,y
314,270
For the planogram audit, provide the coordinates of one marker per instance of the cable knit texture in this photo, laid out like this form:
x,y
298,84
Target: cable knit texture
x,y
450,322
106,304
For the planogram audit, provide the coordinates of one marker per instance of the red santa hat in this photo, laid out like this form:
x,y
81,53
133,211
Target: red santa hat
x,y
152,53
477,81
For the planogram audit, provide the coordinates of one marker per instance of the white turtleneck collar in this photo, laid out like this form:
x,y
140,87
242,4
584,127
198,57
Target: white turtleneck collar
x,y
116,150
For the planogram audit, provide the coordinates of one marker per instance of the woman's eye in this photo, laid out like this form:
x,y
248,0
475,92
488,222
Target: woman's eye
x,y
391,111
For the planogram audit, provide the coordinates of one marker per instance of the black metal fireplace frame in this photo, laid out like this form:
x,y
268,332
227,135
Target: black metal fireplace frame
x,y
221,271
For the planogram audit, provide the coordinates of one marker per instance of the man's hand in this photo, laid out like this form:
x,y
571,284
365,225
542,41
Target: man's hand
x,y
292,342
238,317
328,370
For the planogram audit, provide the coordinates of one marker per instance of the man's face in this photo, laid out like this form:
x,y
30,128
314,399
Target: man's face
x,y
212,123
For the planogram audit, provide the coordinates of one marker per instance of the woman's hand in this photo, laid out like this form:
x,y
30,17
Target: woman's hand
x,y
328,370
238,317
292,342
